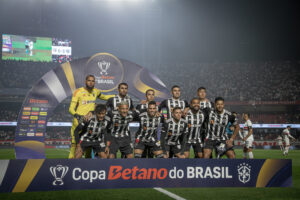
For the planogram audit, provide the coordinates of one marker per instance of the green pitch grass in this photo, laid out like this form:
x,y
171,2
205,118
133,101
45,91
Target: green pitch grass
x,y
187,193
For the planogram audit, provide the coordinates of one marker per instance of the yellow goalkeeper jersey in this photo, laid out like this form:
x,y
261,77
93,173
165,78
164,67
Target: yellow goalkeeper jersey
x,y
83,101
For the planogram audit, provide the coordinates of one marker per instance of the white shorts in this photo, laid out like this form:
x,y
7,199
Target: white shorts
x,y
248,144
279,143
287,142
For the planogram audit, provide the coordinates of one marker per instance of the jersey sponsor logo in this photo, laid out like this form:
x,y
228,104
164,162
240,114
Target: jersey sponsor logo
x,y
58,172
244,172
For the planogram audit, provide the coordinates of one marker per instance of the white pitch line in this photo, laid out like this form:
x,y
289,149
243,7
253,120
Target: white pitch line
x,y
170,194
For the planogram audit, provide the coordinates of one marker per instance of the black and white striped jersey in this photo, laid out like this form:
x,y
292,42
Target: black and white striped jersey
x,y
173,133
113,102
206,104
119,125
195,123
217,123
93,130
148,128
141,108
171,103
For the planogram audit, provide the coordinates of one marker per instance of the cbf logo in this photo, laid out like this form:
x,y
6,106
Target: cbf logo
x,y
58,173
244,171
103,66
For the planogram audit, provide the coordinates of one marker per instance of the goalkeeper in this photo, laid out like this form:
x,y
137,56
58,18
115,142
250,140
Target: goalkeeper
x,y
82,103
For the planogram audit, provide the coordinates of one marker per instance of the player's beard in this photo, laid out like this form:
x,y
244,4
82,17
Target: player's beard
x,y
89,87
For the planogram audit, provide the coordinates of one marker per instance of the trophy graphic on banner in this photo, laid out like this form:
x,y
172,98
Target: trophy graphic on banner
x,y
103,66
58,173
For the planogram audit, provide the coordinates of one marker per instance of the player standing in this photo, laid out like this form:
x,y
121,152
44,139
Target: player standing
x,y
204,102
216,137
173,102
279,139
120,138
82,103
247,137
113,102
93,133
195,119
286,137
150,96
147,133
173,135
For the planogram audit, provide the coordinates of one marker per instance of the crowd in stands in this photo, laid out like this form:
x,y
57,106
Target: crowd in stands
x,y
235,81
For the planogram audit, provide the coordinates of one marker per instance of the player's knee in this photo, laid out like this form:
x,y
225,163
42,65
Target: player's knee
x,y
137,155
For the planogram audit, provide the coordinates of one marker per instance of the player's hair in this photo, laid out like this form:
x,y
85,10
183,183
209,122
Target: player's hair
x,y
288,126
122,84
123,103
201,88
149,91
248,114
219,99
100,108
88,76
195,98
174,86
151,103
176,108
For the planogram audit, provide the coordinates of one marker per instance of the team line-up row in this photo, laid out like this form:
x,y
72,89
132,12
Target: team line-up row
x,y
200,124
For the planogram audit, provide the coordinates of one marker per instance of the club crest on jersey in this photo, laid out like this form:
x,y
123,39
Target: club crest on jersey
x,y
244,171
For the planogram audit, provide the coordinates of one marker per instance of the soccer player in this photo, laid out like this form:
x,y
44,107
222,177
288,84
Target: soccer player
x,y
150,95
173,135
216,136
247,136
204,102
286,137
82,103
120,138
195,119
279,138
93,133
147,133
173,102
112,103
